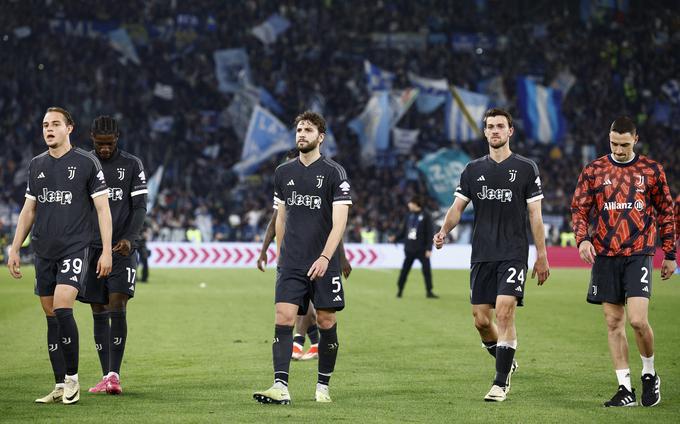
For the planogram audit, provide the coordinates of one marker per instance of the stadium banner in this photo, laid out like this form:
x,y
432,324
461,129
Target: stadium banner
x,y
432,92
268,31
464,113
232,69
541,111
377,79
442,170
375,256
244,255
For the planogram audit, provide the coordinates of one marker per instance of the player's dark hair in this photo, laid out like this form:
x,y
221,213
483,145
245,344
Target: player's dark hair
x,y
314,118
104,125
622,125
418,200
498,112
67,115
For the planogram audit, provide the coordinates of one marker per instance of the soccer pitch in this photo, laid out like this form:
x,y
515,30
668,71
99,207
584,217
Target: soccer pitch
x,y
196,354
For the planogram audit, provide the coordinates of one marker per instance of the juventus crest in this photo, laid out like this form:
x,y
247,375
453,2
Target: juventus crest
x,y
319,181
513,175
121,173
71,172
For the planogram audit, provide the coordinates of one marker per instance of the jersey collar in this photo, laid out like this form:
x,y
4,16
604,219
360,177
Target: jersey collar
x,y
623,165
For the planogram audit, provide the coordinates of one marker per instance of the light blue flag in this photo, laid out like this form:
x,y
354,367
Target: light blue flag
x,y
442,170
457,116
541,111
153,186
373,125
377,79
432,93
266,137
268,31
231,69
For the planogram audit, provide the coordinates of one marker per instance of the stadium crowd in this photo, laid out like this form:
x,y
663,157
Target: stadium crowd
x,y
187,128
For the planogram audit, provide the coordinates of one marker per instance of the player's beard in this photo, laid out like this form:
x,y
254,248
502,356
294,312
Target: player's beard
x,y
308,146
498,143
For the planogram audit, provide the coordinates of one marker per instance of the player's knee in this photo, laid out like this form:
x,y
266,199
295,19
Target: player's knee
x,y
615,324
325,320
117,303
482,321
505,316
97,308
639,323
285,318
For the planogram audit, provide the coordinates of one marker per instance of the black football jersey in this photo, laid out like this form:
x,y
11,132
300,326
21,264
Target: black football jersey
x,y
309,193
63,190
500,193
126,179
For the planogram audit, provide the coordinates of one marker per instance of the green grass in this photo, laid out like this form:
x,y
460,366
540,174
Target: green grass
x,y
197,354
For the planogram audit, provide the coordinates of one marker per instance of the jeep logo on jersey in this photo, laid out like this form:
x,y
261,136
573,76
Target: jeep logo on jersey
x,y
513,175
115,194
312,202
71,172
344,187
319,181
121,173
502,194
62,197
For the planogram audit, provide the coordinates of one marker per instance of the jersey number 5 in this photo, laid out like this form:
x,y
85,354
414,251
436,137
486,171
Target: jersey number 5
x,y
336,282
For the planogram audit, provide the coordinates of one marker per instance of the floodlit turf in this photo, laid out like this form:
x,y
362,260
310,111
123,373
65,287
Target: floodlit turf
x,y
196,355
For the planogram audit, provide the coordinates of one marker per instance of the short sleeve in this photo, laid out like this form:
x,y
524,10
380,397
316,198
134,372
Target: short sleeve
x,y
30,194
96,184
278,189
342,190
463,189
533,190
138,180
138,188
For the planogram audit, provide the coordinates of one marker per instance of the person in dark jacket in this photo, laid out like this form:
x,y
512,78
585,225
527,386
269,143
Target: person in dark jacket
x,y
417,235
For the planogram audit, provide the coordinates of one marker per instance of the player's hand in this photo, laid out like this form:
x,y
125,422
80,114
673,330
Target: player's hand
x,y
439,239
104,265
345,267
667,269
262,260
123,247
428,253
586,251
318,268
541,268
13,263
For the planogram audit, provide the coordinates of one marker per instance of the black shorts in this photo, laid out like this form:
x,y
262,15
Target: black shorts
x,y
122,278
614,279
491,279
70,270
293,286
